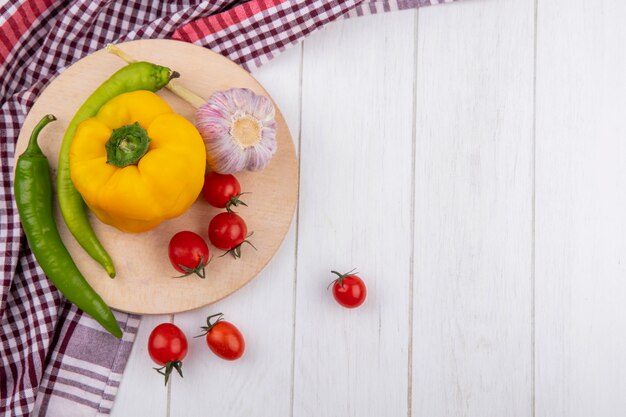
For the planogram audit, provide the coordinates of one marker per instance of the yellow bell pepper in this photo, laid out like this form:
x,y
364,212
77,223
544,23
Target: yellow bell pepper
x,y
137,163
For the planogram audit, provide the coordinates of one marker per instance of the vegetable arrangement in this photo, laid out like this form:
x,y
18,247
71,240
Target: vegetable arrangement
x,y
227,231
33,194
136,76
237,125
135,164
238,129
188,252
167,344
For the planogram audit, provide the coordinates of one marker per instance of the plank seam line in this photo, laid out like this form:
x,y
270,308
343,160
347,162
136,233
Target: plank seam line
x,y
533,219
297,237
169,387
412,222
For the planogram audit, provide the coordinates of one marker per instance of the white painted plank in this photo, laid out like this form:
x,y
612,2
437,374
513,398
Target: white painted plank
x,y
141,392
580,209
259,384
472,338
355,211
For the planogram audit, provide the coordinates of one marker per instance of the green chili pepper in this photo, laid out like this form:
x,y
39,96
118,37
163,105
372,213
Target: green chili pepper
x,y
33,195
136,76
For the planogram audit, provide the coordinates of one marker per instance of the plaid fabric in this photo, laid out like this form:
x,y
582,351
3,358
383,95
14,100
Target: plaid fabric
x,y
55,359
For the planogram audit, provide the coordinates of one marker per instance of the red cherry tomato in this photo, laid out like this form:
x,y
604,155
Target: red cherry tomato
x,y
188,253
167,346
222,190
223,338
349,290
228,231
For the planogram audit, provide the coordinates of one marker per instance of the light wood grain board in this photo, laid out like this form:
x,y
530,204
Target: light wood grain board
x,y
355,212
144,282
581,209
472,340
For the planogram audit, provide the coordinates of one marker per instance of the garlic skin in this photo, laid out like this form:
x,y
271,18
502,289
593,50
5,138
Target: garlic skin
x,y
239,130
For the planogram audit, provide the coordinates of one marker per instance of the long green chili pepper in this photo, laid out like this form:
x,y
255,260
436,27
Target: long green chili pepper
x,y
136,76
33,196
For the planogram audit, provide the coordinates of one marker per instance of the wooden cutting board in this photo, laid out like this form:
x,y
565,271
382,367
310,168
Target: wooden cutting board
x,y
144,282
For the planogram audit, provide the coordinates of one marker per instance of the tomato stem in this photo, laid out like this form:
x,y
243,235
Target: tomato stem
x,y
340,278
235,201
198,270
166,370
236,251
209,325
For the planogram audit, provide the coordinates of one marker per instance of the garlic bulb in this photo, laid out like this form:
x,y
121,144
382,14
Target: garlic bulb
x,y
239,130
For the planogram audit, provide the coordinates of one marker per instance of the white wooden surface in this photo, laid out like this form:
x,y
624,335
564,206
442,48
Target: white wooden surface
x,y
580,225
473,211
468,159
356,162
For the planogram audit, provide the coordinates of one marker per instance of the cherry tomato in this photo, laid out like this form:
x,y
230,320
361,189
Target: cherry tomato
x,y
188,253
167,346
223,338
348,289
222,190
228,231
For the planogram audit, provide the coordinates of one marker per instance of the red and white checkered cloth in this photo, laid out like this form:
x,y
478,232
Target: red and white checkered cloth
x,y
54,360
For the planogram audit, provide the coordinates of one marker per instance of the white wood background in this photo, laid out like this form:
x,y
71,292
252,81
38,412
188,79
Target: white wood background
x,y
470,160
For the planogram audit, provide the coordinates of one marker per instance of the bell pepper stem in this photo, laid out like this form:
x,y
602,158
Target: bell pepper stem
x,y
127,145
182,92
